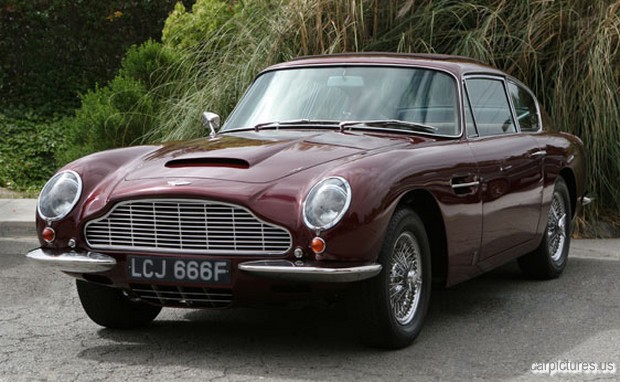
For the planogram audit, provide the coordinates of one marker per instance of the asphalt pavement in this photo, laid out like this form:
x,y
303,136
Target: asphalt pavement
x,y
17,217
17,229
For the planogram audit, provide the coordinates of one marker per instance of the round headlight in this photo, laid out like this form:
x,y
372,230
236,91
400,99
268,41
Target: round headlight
x,y
326,203
59,195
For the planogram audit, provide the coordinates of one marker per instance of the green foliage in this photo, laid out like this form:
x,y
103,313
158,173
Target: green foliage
x,y
122,112
216,74
150,63
28,147
188,30
114,115
51,50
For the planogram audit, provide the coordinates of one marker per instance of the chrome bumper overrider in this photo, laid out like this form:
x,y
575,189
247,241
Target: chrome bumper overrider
x,y
75,262
287,270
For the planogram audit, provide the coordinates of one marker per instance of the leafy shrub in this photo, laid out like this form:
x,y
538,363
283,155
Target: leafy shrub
x,y
28,147
123,112
52,50
188,30
151,63
115,115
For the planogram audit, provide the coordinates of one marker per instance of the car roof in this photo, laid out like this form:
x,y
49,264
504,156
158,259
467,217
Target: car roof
x,y
458,65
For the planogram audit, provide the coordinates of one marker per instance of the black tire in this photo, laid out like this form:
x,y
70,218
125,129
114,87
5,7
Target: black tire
x,y
549,259
394,323
110,308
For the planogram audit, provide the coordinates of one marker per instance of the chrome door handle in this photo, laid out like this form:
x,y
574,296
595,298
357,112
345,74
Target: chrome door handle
x,y
475,183
465,184
538,154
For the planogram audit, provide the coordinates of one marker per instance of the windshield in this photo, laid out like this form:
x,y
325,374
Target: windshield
x,y
336,94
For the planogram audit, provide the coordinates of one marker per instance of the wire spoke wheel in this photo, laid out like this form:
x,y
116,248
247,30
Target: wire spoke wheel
x,y
549,259
389,309
405,278
556,227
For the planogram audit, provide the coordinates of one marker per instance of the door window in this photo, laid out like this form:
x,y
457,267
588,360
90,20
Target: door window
x,y
490,106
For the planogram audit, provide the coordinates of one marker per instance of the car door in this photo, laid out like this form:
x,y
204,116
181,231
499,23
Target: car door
x,y
509,165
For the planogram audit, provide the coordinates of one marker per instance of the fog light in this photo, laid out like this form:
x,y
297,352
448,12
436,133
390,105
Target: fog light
x,y
318,245
48,234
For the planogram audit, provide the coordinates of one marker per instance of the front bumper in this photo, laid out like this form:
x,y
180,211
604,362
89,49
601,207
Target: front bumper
x,y
72,261
91,262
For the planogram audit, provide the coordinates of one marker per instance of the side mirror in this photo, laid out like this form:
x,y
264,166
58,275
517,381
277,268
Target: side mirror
x,y
212,121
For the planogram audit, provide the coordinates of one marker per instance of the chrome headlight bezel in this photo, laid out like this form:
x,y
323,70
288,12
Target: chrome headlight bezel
x,y
340,188
54,203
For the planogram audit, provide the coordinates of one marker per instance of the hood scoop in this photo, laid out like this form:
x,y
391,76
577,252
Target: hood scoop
x,y
208,162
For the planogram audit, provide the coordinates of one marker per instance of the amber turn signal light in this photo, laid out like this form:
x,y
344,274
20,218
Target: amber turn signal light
x,y
48,234
318,245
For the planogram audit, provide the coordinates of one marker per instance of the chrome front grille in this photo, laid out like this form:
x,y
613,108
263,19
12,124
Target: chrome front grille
x,y
189,297
186,226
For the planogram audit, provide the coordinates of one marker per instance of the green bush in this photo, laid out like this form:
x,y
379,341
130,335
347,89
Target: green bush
x,y
51,50
216,71
115,115
28,149
124,111
151,63
189,30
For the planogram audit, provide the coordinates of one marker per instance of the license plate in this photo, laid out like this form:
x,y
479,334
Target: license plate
x,y
200,271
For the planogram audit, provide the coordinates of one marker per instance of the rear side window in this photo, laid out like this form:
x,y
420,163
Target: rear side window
x,y
525,107
490,106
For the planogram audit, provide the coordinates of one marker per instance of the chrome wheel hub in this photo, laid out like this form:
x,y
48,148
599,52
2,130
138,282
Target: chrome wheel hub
x,y
405,278
557,227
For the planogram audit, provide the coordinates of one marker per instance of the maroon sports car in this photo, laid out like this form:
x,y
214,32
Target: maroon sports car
x,y
370,176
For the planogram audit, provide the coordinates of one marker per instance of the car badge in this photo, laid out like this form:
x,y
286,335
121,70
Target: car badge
x,y
176,183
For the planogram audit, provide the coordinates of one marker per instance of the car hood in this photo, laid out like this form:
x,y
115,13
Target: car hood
x,y
255,157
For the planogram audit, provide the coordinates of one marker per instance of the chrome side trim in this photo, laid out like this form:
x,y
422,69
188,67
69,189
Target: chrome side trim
x,y
585,200
74,262
287,270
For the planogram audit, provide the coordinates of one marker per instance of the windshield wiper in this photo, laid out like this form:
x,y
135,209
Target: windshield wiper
x,y
293,122
394,123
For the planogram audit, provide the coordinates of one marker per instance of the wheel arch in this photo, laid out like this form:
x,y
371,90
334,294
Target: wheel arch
x,y
425,205
571,183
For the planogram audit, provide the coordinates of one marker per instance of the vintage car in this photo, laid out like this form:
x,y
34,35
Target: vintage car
x,y
365,177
